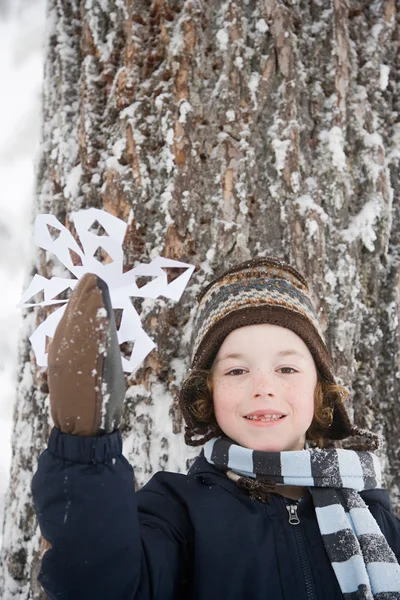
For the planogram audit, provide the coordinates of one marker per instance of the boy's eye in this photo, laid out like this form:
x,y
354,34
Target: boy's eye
x,y
236,371
287,370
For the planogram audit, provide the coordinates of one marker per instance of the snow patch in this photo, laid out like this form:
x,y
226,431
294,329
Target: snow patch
x,y
334,139
118,147
243,208
330,278
384,77
170,136
295,180
262,26
362,225
253,84
222,39
307,204
280,148
72,183
372,139
184,109
238,62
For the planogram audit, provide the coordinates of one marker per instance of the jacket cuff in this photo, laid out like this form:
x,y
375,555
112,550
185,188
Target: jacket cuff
x,y
85,449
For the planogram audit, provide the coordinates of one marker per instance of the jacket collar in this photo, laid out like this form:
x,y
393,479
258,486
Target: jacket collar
x,y
209,474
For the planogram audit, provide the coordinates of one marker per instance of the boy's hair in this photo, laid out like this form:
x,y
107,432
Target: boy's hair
x,y
198,409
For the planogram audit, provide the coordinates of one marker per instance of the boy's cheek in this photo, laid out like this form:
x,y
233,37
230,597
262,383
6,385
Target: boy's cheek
x,y
223,410
230,388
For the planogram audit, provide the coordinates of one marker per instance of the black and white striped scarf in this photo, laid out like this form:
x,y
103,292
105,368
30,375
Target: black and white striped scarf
x,y
364,564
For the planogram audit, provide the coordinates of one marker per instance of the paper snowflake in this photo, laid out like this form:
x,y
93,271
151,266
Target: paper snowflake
x,y
82,258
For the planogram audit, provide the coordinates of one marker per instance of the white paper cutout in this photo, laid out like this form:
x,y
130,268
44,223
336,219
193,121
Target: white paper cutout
x,y
122,286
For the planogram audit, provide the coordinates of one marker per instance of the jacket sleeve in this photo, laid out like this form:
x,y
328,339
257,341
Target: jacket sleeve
x,y
102,546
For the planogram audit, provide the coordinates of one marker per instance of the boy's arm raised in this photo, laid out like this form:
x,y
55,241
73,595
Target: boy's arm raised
x,y
102,547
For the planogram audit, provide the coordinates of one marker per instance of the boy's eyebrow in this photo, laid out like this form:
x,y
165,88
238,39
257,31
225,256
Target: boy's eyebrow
x,y
288,352
232,355
291,351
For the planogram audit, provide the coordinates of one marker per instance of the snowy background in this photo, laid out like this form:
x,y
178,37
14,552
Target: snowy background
x,y
22,35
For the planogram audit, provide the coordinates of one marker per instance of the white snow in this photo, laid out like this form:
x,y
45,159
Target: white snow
x,y
262,26
307,204
21,66
254,82
238,62
295,180
72,182
334,139
373,139
280,148
223,39
384,77
330,278
184,108
362,225
119,147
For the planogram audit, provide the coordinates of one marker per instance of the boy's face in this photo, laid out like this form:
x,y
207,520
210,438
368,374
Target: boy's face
x,y
259,380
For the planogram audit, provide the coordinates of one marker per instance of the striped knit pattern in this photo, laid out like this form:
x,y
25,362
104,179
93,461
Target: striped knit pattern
x,y
263,286
364,564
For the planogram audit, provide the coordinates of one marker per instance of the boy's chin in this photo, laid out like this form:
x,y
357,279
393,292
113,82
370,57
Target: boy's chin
x,y
269,445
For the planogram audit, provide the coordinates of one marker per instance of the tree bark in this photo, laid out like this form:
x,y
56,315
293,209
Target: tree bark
x,y
219,132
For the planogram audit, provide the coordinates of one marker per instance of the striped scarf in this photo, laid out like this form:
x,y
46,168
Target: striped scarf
x,y
364,564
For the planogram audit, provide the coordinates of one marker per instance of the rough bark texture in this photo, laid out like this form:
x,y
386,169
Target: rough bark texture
x,y
221,131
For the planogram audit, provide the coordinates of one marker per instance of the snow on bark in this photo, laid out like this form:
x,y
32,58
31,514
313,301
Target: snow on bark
x,y
222,131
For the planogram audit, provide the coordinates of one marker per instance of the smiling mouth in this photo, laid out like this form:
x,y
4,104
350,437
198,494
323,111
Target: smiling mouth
x,y
266,418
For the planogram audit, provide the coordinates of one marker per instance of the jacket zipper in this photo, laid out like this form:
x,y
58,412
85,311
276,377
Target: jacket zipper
x,y
294,520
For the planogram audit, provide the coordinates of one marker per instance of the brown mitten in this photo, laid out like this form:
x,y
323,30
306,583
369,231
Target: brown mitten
x,y
86,381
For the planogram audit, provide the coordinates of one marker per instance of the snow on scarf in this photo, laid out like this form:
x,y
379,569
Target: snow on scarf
x,y
365,565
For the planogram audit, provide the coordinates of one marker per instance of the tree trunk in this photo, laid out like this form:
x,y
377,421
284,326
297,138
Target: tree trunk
x,y
222,131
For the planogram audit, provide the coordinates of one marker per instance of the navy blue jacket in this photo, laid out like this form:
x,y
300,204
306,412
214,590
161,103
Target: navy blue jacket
x,y
181,537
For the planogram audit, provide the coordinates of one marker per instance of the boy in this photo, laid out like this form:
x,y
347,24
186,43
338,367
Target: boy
x,y
260,392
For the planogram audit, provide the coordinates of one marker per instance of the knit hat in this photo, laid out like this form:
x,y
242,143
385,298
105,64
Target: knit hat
x,y
262,290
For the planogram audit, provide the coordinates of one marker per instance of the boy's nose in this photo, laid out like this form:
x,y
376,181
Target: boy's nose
x,y
263,384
